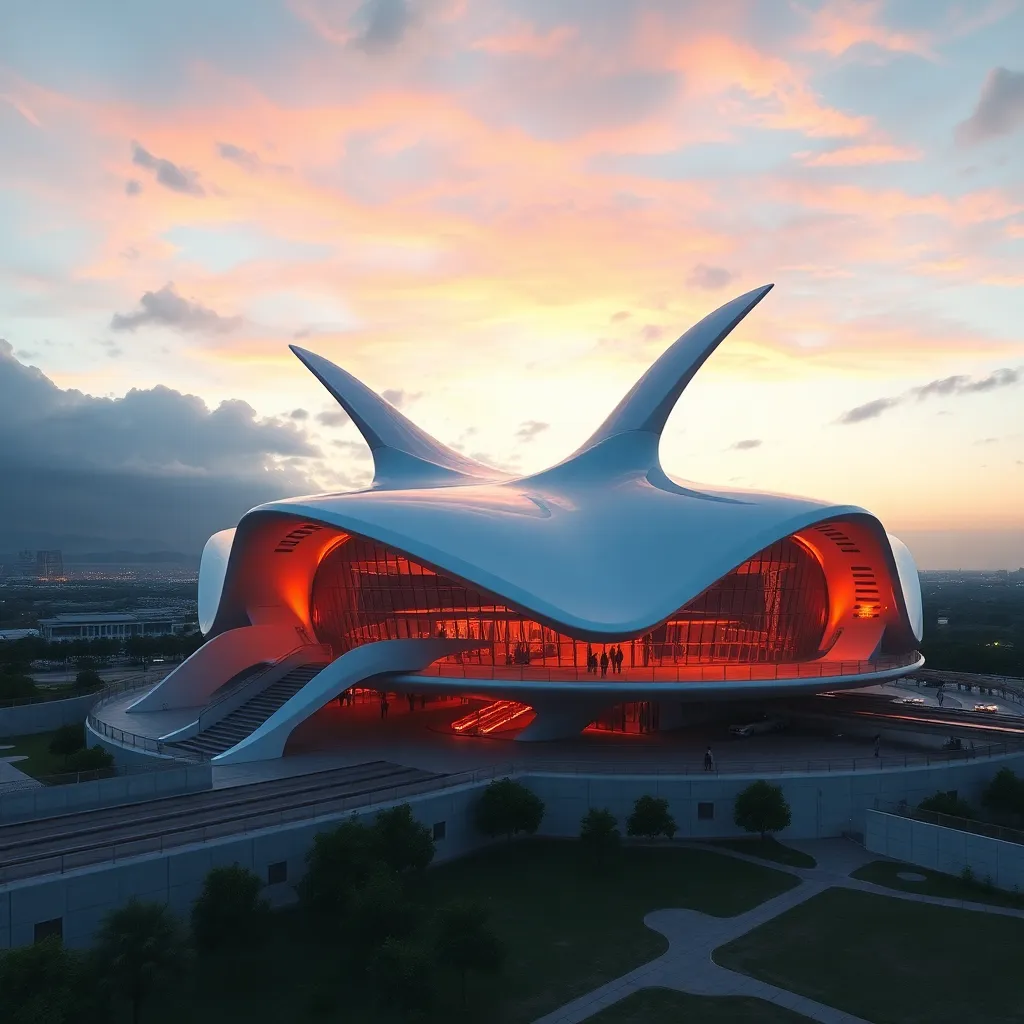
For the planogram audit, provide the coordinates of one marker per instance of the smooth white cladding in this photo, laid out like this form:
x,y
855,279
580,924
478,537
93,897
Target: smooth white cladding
x,y
910,583
603,544
213,568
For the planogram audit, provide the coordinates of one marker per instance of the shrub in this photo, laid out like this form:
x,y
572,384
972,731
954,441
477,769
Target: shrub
x,y
337,864
401,972
650,819
506,808
87,680
229,910
48,984
90,759
16,685
67,740
466,943
947,803
380,910
761,807
599,834
400,841
139,951
1005,793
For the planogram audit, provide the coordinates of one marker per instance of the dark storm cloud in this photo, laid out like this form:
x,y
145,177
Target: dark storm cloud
x,y
154,464
944,387
382,24
746,445
170,175
1000,108
166,308
530,429
703,276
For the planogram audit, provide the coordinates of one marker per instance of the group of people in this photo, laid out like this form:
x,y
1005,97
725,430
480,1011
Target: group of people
x,y
612,657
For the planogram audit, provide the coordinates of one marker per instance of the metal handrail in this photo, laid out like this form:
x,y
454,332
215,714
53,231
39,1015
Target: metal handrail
x,y
960,824
246,680
756,672
19,702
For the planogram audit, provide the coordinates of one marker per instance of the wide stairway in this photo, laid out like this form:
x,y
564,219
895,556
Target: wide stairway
x,y
490,718
245,720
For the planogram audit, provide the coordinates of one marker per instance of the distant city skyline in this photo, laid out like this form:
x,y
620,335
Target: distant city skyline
x,y
497,214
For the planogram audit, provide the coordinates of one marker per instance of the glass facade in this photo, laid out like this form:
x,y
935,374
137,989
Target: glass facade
x,y
772,608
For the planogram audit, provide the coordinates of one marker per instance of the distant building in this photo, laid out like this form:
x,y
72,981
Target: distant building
x,y
49,565
112,625
17,634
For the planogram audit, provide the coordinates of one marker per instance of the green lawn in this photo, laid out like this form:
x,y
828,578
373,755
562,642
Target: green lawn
x,y
568,929
666,1006
36,748
885,872
768,849
888,960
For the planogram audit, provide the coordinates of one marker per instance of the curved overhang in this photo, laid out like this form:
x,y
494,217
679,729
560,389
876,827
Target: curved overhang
x,y
910,585
213,569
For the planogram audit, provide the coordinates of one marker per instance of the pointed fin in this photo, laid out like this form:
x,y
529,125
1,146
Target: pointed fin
x,y
648,403
403,454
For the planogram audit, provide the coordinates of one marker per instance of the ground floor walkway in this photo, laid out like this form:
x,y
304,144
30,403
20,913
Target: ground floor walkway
x,y
688,966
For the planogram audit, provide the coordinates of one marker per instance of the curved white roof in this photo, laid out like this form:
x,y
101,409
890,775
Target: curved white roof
x,y
602,544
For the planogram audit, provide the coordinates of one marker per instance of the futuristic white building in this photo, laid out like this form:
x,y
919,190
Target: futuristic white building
x,y
448,576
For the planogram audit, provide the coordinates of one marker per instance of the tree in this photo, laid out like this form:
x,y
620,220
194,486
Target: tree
x,y
337,864
947,803
506,808
380,910
16,685
761,807
67,740
466,943
401,972
650,818
599,834
90,759
48,984
1005,793
400,841
87,680
229,910
139,950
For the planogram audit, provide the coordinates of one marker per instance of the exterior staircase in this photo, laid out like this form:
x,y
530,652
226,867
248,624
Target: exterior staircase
x,y
245,720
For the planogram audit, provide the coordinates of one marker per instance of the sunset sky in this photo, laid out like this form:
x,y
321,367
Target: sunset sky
x,y
498,213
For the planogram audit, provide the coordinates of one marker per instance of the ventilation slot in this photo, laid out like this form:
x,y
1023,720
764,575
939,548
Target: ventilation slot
x,y
290,541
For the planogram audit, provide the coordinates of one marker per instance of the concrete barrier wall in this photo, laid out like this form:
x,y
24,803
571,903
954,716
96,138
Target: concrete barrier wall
x,y
30,719
46,801
82,898
945,849
822,805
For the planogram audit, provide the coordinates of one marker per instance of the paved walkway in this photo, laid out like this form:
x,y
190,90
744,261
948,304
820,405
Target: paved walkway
x,y
688,965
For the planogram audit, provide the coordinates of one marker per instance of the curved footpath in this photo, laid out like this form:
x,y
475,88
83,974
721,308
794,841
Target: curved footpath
x,y
687,965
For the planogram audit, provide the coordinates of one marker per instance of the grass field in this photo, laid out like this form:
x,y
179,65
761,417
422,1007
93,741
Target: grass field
x,y
40,761
666,1006
888,960
567,928
886,872
768,849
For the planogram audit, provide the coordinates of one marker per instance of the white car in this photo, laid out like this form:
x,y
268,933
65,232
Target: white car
x,y
988,709
915,701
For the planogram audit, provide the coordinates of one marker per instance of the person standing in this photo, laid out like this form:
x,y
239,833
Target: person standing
x,y
604,664
709,761
878,743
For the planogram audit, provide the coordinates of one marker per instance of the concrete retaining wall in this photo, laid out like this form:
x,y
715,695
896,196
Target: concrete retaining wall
x,y
82,898
945,849
46,716
46,801
822,805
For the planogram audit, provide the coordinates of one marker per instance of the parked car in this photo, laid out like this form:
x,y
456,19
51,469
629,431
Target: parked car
x,y
759,728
